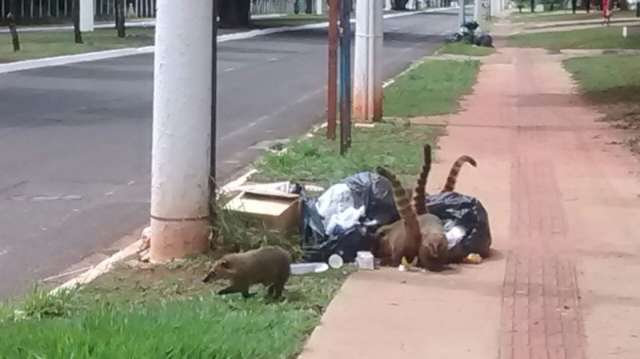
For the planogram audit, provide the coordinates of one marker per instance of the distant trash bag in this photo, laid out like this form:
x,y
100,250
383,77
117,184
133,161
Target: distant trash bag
x,y
483,40
344,218
466,223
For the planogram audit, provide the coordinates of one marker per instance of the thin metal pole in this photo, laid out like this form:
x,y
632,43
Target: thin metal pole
x,y
345,77
332,81
214,103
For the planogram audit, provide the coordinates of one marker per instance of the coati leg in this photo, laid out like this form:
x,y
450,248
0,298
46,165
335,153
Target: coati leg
x,y
236,289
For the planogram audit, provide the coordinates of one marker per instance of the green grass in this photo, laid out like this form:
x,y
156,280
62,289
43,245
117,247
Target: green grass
x,y
564,15
56,43
44,44
432,88
394,145
607,78
165,312
462,48
598,38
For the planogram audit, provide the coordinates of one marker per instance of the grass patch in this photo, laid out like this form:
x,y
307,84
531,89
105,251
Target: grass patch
x,y
598,38
166,312
394,145
56,43
613,83
432,88
608,78
564,15
462,48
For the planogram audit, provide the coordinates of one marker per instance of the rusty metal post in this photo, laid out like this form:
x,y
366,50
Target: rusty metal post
x,y
332,81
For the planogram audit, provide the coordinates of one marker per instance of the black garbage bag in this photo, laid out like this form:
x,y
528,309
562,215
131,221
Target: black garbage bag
x,y
376,195
456,209
483,40
367,189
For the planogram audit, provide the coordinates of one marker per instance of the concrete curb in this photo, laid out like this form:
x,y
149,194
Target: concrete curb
x,y
109,54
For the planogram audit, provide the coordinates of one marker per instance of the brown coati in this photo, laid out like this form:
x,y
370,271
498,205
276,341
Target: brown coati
x,y
413,235
269,266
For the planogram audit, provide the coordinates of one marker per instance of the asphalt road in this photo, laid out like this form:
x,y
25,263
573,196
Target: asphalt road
x,y
75,140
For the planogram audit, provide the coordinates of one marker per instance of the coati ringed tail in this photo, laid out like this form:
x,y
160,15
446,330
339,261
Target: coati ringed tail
x,y
455,171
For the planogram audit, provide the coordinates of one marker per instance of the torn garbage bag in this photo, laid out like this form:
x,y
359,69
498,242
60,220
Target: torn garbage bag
x,y
466,223
343,219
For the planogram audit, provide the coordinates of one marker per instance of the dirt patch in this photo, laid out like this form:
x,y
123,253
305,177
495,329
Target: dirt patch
x,y
625,116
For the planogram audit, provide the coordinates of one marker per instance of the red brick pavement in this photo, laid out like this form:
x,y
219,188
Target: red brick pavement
x,y
563,212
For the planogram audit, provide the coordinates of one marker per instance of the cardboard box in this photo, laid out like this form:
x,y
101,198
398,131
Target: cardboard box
x,y
277,210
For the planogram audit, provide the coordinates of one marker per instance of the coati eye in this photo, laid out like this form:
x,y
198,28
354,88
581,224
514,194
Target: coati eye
x,y
225,264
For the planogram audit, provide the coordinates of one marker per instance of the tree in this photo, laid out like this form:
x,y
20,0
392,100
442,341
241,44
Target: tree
x,y
76,21
234,13
11,19
399,4
120,18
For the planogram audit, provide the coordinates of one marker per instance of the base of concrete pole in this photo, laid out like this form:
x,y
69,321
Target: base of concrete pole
x,y
174,239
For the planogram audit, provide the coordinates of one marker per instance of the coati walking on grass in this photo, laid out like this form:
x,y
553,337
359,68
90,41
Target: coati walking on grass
x,y
269,266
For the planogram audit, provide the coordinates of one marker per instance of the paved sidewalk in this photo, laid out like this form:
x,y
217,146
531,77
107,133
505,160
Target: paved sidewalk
x,y
564,206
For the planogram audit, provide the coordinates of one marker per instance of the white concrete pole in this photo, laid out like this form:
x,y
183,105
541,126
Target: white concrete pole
x,y
387,5
476,10
411,4
461,12
181,130
320,7
367,90
86,15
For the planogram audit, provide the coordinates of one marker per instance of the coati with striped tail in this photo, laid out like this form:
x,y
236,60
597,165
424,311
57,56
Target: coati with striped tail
x,y
452,179
413,235
424,235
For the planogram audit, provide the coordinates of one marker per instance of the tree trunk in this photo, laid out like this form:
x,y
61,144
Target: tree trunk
x,y
235,13
76,21
624,5
587,5
308,7
14,33
120,18
574,5
533,5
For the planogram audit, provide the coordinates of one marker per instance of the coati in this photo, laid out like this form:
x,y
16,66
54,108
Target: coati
x,y
412,235
430,245
269,266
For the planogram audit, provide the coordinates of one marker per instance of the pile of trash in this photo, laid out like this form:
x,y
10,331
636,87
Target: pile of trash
x,y
470,33
344,219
